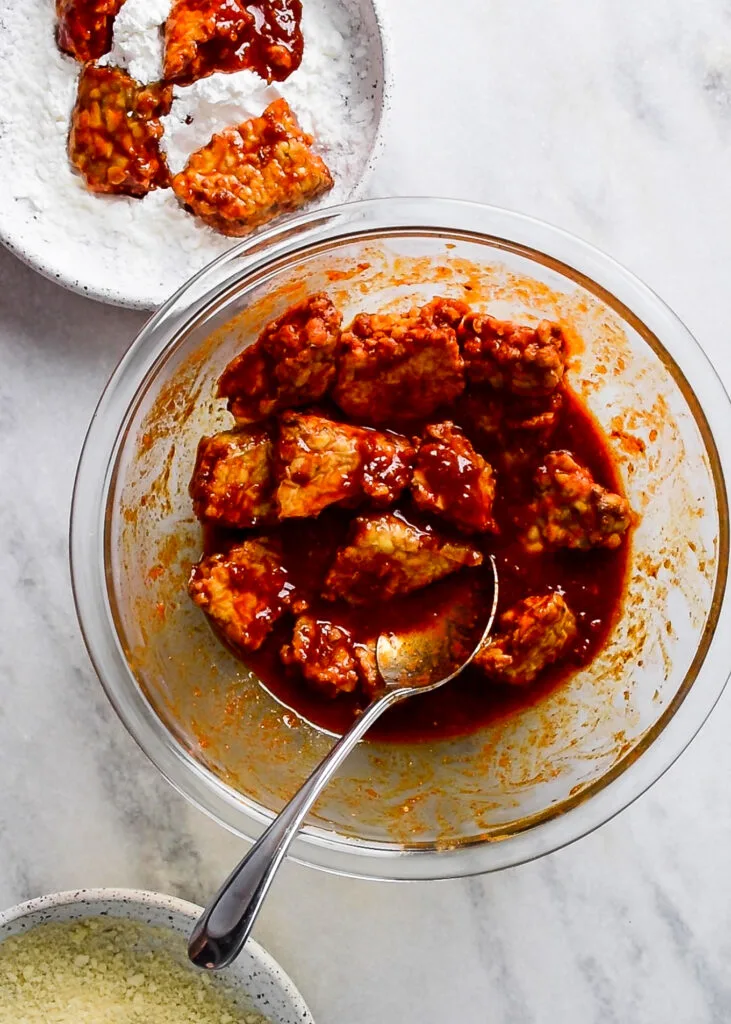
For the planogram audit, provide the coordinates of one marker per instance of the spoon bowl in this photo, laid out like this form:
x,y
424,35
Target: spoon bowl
x,y
423,660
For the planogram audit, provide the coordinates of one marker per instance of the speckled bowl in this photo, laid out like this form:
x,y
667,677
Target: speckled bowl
x,y
257,982
75,261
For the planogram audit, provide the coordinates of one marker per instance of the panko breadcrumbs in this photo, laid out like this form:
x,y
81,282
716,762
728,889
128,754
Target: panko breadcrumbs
x,y
109,971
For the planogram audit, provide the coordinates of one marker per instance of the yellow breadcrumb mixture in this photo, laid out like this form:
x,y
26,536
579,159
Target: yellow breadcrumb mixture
x,y
109,971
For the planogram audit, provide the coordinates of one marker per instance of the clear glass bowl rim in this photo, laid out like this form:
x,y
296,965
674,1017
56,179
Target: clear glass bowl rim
x,y
550,246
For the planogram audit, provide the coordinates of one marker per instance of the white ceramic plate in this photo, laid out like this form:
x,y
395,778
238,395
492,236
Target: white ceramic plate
x,y
255,980
136,253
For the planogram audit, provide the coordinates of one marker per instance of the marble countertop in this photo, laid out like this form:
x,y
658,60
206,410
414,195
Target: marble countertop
x,y
612,119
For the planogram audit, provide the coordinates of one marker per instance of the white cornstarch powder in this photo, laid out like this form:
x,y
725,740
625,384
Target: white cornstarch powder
x,y
148,247
137,44
109,971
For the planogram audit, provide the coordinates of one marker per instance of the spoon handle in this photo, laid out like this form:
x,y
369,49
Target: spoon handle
x,y
225,925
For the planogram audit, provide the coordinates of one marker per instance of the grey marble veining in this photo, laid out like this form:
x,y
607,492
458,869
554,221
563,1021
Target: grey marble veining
x,y
613,119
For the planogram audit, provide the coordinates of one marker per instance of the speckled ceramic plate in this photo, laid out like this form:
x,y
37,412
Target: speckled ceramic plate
x,y
256,981
133,252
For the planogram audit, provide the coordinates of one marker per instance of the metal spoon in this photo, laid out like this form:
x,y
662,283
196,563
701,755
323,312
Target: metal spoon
x,y
417,662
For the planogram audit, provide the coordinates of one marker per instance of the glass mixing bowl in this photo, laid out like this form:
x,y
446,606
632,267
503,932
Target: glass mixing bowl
x,y
527,784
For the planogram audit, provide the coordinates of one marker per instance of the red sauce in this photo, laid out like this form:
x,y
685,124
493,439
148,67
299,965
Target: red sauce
x,y
442,471
592,583
276,47
85,27
264,36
